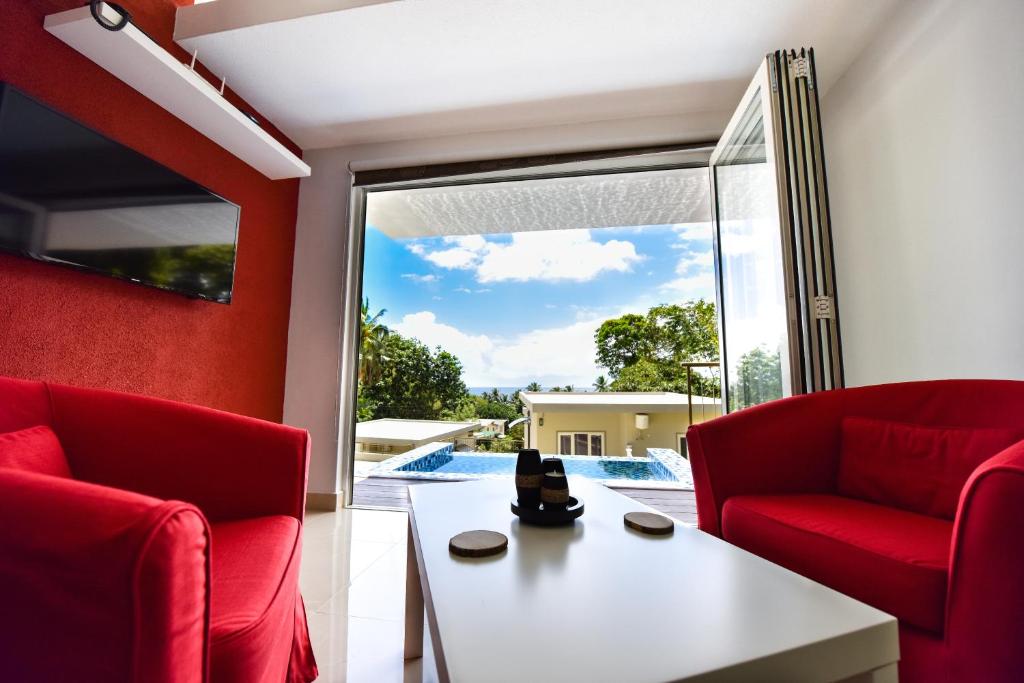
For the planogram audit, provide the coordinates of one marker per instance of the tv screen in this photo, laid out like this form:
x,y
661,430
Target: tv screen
x,y
71,196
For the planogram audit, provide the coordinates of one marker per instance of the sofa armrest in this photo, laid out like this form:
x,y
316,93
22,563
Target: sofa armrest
x,y
985,602
99,584
229,466
786,446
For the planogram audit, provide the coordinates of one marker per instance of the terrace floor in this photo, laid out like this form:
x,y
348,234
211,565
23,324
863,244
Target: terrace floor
x,y
394,493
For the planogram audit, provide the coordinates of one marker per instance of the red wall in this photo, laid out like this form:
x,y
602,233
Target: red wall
x,y
76,328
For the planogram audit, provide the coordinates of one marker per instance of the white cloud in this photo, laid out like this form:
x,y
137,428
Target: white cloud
x,y
687,287
695,261
551,356
421,278
550,255
464,290
691,232
695,268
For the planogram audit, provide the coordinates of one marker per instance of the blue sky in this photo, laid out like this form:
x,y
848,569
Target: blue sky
x,y
524,307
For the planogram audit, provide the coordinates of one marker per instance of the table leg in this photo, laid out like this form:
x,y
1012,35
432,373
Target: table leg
x,y
413,603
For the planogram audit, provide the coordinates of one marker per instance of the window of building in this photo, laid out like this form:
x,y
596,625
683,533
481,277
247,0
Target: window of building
x,y
581,443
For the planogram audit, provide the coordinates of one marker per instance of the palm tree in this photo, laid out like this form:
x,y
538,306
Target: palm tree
x,y
372,336
533,386
600,384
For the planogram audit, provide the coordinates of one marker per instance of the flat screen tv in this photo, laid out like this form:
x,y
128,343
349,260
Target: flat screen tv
x,y
73,197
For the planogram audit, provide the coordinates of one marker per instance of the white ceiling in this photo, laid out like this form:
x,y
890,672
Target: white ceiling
x,y
573,203
414,68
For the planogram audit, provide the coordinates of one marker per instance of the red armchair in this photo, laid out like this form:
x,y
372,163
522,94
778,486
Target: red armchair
x,y
170,555
775,480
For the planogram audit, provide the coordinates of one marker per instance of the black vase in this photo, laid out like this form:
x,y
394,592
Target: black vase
x,y
554,491
529,473
554,465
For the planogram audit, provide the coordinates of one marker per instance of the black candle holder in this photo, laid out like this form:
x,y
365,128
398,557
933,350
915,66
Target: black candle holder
x,y
529,476
553,505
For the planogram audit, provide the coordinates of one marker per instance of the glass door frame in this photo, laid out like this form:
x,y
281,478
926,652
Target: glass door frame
x,y
784,86
759,91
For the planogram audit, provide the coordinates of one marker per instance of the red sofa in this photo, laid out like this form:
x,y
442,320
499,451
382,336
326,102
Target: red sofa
x,y
150,541
908,497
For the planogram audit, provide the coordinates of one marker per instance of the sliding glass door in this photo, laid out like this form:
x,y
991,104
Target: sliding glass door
x,y
773,252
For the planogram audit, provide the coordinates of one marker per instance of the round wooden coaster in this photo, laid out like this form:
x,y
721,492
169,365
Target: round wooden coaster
x,y
649,523
478,543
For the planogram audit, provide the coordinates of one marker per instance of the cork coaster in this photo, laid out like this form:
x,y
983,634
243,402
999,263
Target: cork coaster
x,y
478,543
649,523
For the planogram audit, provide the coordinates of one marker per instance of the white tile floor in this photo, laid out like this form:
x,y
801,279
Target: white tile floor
x,y
353,582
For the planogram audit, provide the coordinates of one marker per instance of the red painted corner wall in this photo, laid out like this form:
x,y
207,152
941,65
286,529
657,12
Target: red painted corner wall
x,y
77,328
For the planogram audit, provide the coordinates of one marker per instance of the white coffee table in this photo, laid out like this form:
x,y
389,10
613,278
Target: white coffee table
x,y
599,602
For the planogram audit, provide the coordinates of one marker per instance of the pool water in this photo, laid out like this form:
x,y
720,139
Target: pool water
x,y
636,469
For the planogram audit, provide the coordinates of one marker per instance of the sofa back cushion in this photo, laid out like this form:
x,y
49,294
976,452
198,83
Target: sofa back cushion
x,y
35,449
913,467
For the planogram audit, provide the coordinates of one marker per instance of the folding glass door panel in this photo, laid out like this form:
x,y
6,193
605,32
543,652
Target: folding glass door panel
x,y
773,252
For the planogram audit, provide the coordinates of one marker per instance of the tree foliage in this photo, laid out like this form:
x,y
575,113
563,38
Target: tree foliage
x,y
414,382
372,337
758,378
493,405
648,352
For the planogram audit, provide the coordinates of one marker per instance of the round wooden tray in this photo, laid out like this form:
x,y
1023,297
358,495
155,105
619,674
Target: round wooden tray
x,y
542,516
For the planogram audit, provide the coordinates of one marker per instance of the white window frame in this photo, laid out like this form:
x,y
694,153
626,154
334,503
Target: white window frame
x,y
572,442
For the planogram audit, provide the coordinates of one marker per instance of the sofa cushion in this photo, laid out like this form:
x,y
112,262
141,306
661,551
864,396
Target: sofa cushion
x,y
35,449
913,467
894,560
249,561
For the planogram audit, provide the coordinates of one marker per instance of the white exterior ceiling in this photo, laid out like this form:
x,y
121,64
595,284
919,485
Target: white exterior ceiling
x,y
338,72
595,201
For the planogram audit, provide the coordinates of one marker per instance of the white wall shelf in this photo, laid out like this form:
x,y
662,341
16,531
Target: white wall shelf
x,y
134,58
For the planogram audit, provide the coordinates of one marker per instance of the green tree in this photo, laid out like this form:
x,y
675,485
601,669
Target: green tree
x,y
687,333
600,384
623,341
504,409
758,378
372,337
647,375
649,352
533,386
415,382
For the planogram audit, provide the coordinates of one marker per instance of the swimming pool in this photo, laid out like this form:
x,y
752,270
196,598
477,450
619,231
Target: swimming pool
x,y
662,468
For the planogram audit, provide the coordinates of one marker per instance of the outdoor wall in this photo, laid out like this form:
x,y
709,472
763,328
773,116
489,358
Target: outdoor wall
x,y
923,145
312,390
619,429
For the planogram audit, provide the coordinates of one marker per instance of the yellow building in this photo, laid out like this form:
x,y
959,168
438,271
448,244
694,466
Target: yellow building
x,y
612,423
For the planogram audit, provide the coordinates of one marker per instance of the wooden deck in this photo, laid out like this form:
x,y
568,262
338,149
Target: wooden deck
x,y
394,493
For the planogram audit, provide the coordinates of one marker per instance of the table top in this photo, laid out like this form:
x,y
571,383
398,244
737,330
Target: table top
x,y
597,601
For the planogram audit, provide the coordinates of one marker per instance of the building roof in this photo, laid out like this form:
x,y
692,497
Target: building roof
x,y
411,432
613,401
